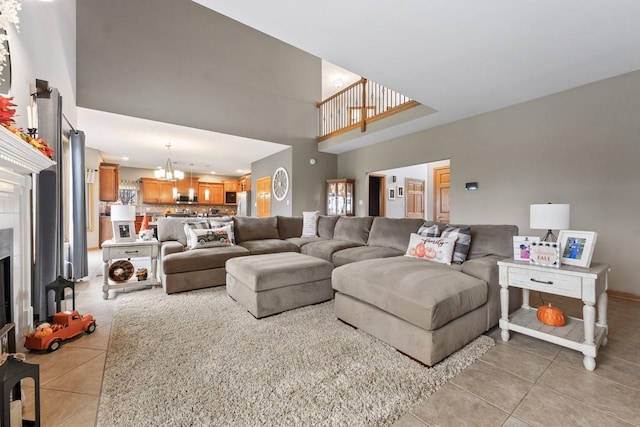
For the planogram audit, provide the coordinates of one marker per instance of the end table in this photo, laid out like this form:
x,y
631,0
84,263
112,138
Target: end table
x,y
126,250
588,284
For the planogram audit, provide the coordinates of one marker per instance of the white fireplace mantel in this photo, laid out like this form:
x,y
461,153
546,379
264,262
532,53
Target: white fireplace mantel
x,y
19,156
18,160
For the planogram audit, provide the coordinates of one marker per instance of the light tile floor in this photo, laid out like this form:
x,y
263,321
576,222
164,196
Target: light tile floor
x,y
522,382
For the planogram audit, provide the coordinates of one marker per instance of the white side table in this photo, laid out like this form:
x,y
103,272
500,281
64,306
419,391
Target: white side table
x,y
588,284
126,250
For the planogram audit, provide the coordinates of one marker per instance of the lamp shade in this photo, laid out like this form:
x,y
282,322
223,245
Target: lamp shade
x,y
549,216
123,213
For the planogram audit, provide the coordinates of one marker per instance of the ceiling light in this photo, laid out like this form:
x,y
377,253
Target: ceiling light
x,y
168,173
338,82
212,172
125,159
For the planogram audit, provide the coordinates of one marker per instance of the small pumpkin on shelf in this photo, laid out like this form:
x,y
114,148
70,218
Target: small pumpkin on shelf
x,y
551,316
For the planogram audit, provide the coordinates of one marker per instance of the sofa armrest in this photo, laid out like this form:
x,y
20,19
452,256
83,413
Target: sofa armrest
x,y
170,247
486,268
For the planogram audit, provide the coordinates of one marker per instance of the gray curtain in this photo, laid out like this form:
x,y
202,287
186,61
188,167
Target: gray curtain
x,y
78,214
48,218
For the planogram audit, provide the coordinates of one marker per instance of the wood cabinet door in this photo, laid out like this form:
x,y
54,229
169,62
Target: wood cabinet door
x,y
165,192
230,186
217,194
109,181
150,192
204,193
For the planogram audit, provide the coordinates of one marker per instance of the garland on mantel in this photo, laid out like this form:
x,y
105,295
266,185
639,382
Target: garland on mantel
x,y
7,111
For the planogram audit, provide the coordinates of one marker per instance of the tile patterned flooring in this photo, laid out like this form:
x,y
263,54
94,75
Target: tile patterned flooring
x,y
524,382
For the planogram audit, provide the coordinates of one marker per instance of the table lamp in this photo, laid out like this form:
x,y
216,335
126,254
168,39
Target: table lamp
x,y
549,217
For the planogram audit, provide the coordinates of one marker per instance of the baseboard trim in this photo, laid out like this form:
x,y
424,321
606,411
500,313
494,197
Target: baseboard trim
x,y
623,295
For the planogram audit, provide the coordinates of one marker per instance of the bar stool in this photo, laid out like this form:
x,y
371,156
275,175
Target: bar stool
x,y
58,286
12,371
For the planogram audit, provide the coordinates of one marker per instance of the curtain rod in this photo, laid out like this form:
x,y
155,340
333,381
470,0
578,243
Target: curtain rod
x,y
69,123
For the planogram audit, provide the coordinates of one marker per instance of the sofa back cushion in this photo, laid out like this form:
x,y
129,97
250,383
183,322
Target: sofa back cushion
x,y
327,226
353,229
393,232
289,226
250,228
492,240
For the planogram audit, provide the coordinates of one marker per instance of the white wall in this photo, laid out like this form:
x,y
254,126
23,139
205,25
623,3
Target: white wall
x,y
92,161
45,48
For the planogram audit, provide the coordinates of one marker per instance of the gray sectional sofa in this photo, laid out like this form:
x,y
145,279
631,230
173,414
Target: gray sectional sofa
x,y
424,309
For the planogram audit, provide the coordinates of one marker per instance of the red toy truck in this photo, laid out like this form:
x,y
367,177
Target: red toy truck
x,y
66,324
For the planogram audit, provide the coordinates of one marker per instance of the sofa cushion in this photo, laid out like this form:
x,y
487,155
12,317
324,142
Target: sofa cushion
x,y
202,259
326,226
269,246
425,294
301,241
354,229
361,253
171,229
492,240
251,228
393,232
326,248
289,226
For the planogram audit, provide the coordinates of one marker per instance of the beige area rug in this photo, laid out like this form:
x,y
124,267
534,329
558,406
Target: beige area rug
x,y
199,359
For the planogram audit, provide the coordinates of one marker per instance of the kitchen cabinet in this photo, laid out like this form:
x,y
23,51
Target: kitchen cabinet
x,y
340,197
216,193
244,183
109,181
230,186
183,185
155,191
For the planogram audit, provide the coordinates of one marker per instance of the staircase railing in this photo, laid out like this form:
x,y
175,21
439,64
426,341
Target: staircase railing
x,y
356,105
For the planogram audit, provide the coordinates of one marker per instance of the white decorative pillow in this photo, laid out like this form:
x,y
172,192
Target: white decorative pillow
x,y
310,224
437,249
209,238
193,225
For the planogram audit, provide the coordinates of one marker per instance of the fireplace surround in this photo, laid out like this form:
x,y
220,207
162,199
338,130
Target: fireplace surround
x,y
19,161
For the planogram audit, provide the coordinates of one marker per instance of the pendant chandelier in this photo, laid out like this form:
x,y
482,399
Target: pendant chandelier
x,y
168,173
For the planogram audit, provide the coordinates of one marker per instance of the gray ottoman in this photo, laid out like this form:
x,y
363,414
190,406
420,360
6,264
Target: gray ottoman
x,y
272,283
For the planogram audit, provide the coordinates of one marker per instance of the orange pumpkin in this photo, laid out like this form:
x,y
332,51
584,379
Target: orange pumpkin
x,y
551,316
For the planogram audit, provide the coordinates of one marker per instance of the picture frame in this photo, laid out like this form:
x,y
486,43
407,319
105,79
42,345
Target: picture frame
x,y
522,247
400,191
576,247
545,254
124,231
392,193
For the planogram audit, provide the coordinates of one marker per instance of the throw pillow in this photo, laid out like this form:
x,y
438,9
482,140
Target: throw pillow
x,y
310,224
208,238
437,249
462,244
429,231
200,225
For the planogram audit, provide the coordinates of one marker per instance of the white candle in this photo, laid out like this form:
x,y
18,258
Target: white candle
x,y
30,114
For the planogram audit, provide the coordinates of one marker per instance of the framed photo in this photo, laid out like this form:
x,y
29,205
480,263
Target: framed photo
x,y
400,191
124,231
545,254
392,193
522,247
577,247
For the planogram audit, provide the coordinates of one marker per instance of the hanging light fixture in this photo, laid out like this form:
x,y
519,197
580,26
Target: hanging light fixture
x,y
168,173
191,192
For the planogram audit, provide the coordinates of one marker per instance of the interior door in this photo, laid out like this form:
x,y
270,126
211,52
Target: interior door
x,y
377,191
441,184
414,198
263,197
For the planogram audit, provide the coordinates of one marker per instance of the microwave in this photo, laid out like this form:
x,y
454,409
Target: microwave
x,y
230,198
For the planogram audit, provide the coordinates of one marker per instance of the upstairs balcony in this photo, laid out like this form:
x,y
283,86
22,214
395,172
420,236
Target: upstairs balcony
x,y
356,106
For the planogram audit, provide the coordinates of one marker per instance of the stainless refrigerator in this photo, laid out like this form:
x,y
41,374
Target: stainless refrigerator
x,y
244,203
